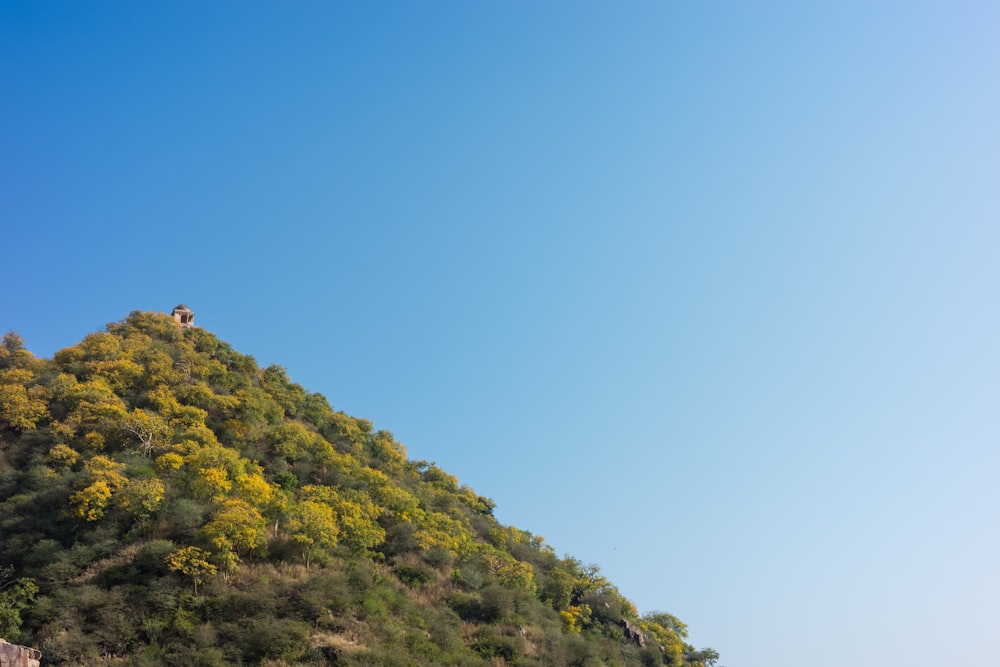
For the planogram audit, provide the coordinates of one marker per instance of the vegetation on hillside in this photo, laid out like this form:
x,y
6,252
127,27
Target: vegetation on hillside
x,y
166,501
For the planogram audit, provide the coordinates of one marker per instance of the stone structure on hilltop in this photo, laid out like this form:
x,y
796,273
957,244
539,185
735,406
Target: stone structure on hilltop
x,y
184,316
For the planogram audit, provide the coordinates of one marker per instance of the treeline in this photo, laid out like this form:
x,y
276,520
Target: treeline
x,y
166,501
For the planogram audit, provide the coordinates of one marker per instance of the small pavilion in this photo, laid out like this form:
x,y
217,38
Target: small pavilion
x,y
184,316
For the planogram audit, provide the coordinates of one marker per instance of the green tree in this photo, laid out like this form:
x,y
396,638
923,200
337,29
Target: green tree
x,y
15,596
706,657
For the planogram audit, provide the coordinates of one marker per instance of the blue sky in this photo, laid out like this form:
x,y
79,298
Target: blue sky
x,y
704,293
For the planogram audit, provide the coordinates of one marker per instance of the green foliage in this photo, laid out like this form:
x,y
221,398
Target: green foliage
x,y
167,502
15,596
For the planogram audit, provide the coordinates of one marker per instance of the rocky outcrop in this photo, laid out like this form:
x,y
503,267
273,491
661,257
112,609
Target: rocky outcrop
x,y
633,632
13,655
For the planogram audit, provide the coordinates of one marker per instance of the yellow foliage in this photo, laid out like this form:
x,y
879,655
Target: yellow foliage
x,y
201,395
92,500
187,448
575,618
667,631
320,493
180,416
119,374
67,356
141,497
190,561
358,523
169,462
158,367
440,530
291,440
356,516
212,483
440,478
148,428
21,376
18,408
201,434
393,498
236,525
107,478
383,447
93,441
62,456
198,457
100,346
312,523
506,569
193,563
107,470
95,405
61,431
254,489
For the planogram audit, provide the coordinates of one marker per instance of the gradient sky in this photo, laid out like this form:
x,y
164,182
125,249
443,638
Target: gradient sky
x,y
705,293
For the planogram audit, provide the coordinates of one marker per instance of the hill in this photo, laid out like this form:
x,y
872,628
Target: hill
x,y
166,501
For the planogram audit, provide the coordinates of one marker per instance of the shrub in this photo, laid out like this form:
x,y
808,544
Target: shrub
x,y
414,576
489,644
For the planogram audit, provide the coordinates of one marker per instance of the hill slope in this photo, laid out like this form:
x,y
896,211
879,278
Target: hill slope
x,y
165,501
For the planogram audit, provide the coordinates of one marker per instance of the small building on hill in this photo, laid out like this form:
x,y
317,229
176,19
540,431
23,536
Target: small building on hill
x,y
184,316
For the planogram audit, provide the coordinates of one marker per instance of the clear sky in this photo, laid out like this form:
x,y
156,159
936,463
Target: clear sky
x,y
705,293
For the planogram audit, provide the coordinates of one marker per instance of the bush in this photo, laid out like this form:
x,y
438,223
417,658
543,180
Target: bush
x,y
497,603
489,644
152,558
439,558
414,576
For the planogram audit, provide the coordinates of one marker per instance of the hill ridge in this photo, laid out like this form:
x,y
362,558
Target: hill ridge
x,y
152,473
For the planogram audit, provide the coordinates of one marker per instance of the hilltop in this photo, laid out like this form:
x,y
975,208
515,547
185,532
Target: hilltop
x,y
166,501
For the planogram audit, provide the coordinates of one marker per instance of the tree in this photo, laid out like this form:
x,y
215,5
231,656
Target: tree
x,y
706,657
141,497
12,352
92,500
15,596
236,526
356,516
107,478
149,428
192,562
668,632
62,456
20,407
212,483
312,523
506,569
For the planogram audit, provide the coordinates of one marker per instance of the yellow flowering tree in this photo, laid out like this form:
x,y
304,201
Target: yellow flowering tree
x,y
193,563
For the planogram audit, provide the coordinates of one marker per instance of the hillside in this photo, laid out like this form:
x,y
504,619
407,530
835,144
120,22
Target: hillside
x,y
166,501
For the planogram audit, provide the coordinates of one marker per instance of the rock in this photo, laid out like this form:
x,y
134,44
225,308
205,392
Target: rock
x,y
14,655
633,633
